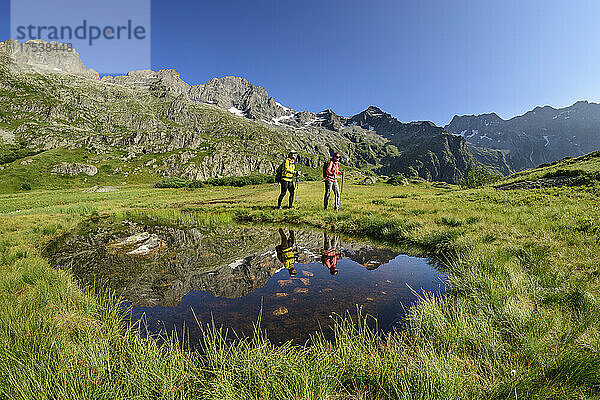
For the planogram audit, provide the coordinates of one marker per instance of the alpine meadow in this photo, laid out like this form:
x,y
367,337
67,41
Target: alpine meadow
x,y
167,240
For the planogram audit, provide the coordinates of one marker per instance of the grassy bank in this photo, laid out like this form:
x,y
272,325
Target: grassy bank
x,y
521,318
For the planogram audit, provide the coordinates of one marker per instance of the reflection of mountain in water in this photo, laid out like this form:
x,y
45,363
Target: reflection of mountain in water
x,y
228,261
371,257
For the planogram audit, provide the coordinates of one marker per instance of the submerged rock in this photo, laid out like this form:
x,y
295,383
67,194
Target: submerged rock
x,y
280,311
130,240
149,245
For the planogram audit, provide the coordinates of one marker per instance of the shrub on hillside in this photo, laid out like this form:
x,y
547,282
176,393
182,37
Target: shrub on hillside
x,y
173,183
237,181
10,153
478,178
398,180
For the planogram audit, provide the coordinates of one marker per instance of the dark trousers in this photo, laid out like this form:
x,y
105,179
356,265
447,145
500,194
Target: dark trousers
x,y
286,186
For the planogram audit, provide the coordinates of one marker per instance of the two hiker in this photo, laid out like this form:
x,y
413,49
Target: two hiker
x,y
287,172
286,254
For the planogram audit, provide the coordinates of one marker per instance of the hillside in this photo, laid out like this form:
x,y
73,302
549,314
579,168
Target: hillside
x,y
569,171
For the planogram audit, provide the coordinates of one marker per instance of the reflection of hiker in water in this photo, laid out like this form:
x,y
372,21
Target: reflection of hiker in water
x,y
330,253
285,251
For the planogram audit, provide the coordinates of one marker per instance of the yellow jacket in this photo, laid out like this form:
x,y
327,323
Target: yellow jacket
x,y
288,257
289,170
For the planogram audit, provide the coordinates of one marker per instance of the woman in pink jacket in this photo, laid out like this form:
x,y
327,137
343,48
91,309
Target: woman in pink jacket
x,y
330,173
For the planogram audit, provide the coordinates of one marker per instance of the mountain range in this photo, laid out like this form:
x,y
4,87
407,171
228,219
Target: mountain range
x,y
542,135
57,115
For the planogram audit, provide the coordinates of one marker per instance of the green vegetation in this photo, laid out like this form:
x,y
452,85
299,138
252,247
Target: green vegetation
x,y
479,177
494,160
521,317
237,181
11,152
397,180
586,167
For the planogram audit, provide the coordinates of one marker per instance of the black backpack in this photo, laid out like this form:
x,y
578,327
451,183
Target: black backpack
x,y
279,173
325,166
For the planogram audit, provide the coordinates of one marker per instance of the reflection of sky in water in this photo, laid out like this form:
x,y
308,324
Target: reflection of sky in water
x,y
295,306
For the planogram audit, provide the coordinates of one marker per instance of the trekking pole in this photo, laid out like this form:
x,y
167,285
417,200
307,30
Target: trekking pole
x,y
341,192
296,191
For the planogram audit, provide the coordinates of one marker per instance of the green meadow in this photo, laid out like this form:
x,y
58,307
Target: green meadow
x,y
521,317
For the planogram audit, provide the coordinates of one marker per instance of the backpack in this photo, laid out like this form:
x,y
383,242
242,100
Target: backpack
x,y
279,173
325,166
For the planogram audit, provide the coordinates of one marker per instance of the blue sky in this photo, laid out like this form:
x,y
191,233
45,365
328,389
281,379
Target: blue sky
x,y
414,59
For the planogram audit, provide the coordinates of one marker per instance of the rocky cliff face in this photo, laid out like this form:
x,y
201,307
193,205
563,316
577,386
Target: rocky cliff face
x,y
542,135
49,100
33,55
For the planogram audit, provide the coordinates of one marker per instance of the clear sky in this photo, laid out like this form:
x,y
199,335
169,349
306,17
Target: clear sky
x,y
421,59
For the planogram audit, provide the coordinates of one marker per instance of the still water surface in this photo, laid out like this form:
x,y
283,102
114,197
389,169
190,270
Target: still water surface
x,y
173,277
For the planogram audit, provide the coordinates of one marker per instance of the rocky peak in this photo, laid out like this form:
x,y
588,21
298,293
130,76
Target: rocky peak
x,y
330,120
56,57
481,119
373,110
232,93
240,97
374,119
161,83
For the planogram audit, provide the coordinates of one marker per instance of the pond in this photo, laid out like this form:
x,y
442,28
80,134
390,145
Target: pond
x,y
171,276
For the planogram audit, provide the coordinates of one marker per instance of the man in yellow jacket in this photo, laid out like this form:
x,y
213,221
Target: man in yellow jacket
x,y
287,179
285,251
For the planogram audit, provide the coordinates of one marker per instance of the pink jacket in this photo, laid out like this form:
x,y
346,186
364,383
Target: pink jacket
x,y
333,170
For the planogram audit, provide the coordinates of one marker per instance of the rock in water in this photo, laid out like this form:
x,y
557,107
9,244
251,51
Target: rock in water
x,y
149,245
130,240
280,311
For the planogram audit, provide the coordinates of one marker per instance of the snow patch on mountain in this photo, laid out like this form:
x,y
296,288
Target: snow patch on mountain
x,y
236,111
473,133
277,121
284,107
